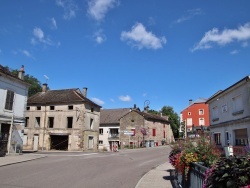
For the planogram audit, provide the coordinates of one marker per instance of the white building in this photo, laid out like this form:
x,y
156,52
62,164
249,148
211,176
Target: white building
x,y
109,130
13,95
230,115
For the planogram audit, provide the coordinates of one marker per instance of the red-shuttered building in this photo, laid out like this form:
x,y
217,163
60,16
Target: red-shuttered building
x,y
196,116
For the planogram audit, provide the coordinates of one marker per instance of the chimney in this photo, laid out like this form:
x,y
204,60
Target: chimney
x,y
84,91
21,73
190,101
135,106
45,87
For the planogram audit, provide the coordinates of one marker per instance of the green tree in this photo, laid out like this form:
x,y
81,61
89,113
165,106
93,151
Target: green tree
x,y
153,112
173,118
35,84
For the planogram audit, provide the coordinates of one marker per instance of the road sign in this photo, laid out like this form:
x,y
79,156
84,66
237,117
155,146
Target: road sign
x,y
126,132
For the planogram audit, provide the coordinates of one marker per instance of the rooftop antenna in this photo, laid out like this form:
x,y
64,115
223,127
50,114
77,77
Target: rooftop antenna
x,y
47,78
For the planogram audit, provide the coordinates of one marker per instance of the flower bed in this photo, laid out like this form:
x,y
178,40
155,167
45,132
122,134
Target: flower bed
x,y
231,172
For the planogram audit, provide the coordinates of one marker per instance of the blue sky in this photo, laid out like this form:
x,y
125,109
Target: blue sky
x,y
129,51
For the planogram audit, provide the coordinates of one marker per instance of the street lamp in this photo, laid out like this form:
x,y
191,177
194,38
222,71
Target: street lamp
x,y
146,105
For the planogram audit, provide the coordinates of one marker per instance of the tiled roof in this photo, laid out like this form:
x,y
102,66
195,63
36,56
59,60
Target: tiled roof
x,y
64,96
8,73
152,116
112,116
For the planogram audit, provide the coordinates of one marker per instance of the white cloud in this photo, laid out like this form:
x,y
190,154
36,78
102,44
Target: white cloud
x,y
53,23
98,8
39,36
214,36
234,52
189,15
97,101
140,38
99,37
38,33
126,98
26,53
112,100
69,7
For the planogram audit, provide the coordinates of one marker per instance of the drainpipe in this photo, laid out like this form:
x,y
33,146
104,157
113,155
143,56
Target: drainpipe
x,y
10,133
44,124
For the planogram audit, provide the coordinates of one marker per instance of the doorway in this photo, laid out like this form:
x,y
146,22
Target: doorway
x,y
59,142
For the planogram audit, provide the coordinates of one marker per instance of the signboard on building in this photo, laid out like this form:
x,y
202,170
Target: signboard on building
x,y
128,132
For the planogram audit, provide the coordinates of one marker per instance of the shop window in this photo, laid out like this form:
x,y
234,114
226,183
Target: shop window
x,y
217,138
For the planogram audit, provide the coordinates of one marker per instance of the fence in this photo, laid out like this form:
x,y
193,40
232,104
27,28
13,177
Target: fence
x,y
195,177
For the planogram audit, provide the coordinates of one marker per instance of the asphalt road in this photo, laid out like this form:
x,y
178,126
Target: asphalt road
x,y
122,169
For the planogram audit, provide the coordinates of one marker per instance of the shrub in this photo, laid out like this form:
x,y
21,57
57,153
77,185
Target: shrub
x,y
231,172
187,151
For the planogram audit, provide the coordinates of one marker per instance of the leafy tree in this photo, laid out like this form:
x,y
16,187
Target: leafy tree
x,y
173,119
153,112
35,86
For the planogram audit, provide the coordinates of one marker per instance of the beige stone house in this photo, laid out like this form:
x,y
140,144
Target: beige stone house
x,y
61,120
138,127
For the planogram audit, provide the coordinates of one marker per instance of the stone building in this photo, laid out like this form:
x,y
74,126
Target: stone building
x,y
139,129
61,120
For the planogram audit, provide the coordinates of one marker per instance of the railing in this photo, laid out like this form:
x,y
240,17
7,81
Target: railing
x,y
195,177
113,136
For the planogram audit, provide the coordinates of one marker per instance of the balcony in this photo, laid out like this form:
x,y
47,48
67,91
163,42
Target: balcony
x,y
113,136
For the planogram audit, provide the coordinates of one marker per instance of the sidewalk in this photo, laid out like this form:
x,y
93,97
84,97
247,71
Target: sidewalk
x,y
13,159
160,177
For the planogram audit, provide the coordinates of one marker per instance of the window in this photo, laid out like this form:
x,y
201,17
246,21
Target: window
x,y
26,121
189,113
51,122
27,108
215,113
164,134
153,132
37,122
224,108
52,107
38,107
101,131
70,122
70,107
9,100
237,105
201,121
100,142
91,123
92,109
201,112
217,139
189,121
